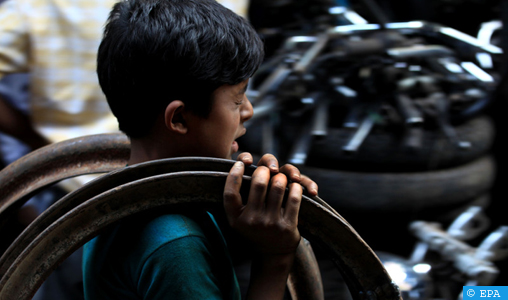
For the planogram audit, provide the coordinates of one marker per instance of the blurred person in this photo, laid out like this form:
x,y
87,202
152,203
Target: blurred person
x,y
49,92
54,43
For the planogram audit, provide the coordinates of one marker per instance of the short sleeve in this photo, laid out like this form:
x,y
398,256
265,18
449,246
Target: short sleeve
x,y
14,41
192,273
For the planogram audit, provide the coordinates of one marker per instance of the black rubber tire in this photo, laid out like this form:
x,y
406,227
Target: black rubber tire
x,y
383,151
403,192
380,206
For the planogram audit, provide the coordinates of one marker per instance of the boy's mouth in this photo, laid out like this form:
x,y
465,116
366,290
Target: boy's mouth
x,y
234,144
234,147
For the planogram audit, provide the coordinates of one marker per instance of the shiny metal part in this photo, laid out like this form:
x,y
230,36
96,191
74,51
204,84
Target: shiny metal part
x,y
346,91
291,42
477,72
269,143
354,17
484,36
463,256
458,35
353,117
495,246
264,109
414,137
419,51
360,135
320,119
272,82
301,147
423,27
419,252
311,54
413,279
351,29
485,60
412,116
349,15
487,30
441,105
469,224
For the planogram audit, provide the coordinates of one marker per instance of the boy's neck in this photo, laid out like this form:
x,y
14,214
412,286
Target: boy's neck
x,y
146,149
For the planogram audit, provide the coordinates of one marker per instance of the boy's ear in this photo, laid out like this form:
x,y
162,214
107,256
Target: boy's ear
x,y
174,117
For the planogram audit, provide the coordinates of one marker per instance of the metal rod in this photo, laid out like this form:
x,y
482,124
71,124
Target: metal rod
x,y
311,54
359,136
320,118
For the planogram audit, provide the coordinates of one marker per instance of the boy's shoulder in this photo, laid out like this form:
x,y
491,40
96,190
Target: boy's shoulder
x,y
136,239
147,233
139,250
143,234
165,228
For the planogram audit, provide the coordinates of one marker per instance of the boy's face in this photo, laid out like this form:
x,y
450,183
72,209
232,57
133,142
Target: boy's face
x,y
215,135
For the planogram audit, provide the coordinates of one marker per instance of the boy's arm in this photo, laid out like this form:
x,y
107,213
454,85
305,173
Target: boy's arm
x,y
271,228
16,124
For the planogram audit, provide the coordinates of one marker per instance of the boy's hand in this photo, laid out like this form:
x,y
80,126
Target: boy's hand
x,y
262,220
292,172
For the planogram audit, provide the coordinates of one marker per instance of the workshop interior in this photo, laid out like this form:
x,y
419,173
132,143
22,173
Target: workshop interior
x,y
397,110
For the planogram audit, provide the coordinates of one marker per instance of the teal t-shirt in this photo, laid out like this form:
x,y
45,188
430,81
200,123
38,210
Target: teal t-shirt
x,y
167,256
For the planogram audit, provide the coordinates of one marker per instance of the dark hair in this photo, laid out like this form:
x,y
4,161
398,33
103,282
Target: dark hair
x,y
156,51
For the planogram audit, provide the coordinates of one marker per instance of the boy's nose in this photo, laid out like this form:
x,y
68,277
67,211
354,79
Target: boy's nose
x,y
247,110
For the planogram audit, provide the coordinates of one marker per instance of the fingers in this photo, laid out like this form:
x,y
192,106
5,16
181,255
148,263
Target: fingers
x,y
269,161
309,184
276,195
291,172
266,193
246,158
232,198
294,175
293,203
258,189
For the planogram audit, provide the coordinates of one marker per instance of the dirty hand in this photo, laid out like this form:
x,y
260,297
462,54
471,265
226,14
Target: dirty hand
x,y
262,220
292,172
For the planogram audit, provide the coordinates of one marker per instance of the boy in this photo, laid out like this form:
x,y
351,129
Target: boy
x,y
175,73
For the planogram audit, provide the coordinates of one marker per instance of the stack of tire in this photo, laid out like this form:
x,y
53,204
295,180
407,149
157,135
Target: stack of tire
x,y
385,185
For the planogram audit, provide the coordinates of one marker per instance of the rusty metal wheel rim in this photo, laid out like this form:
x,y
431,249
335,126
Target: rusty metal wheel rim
x,y
99,153
360,267
104,183
110,181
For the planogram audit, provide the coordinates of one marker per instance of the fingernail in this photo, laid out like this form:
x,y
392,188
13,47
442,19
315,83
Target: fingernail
x,y
238,164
